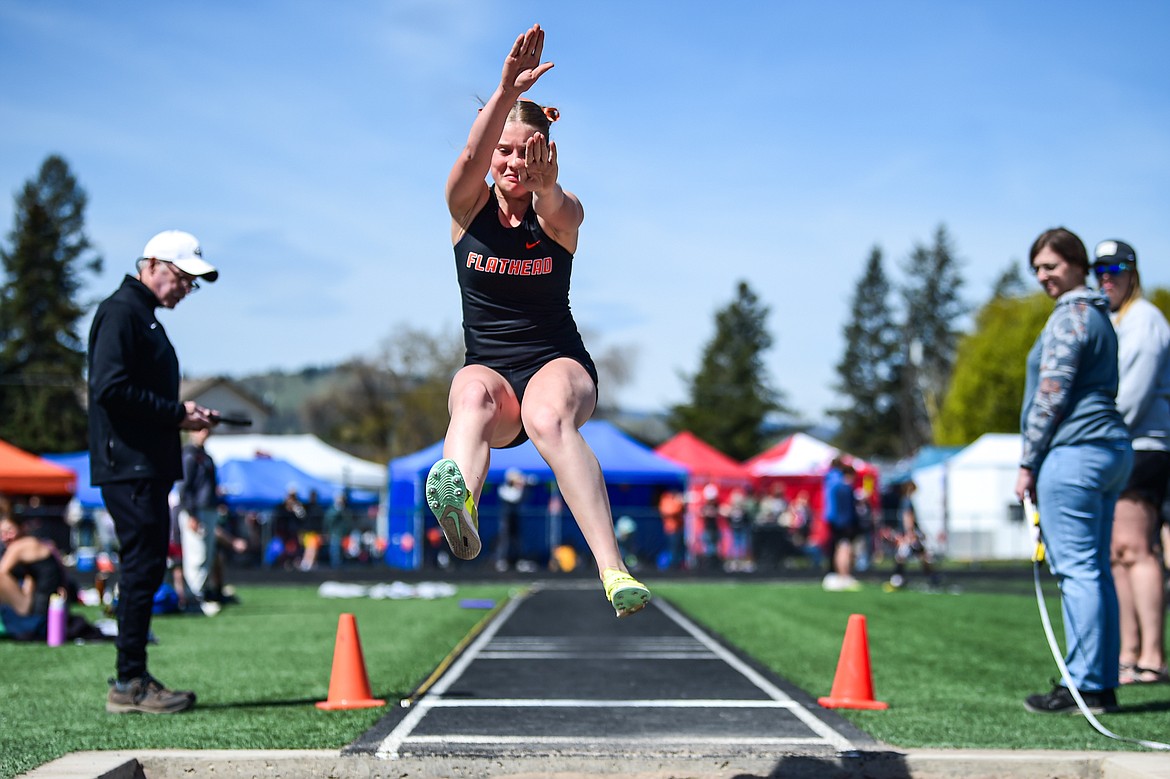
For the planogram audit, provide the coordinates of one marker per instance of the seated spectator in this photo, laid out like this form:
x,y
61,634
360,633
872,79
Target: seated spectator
x,y
31,572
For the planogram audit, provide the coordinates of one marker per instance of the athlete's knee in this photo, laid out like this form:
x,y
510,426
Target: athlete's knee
x,y
546,423
472,396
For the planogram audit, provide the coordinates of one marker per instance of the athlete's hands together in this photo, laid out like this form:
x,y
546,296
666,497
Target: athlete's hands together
x,y
539,172
522,66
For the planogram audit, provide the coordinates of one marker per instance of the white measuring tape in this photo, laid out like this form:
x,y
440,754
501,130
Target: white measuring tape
x,y
1033,517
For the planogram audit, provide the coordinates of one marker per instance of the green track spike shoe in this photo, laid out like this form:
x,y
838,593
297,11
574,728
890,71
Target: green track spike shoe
x,y
624,592
451,503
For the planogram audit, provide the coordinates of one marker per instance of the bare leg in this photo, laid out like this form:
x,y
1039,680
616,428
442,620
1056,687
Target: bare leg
x,y
484,413
559,399
1138,573
843,558
13,595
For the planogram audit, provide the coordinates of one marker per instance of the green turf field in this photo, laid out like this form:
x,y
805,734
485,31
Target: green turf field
x,y
953,667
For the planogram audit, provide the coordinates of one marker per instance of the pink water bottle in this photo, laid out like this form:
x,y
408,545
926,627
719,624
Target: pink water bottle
x,y
56,627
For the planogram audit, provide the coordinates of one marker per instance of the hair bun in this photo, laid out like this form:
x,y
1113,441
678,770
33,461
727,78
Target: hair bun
x,y
552,113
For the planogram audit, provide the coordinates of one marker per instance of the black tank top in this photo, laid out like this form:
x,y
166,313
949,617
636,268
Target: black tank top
x,y
515,288
47,575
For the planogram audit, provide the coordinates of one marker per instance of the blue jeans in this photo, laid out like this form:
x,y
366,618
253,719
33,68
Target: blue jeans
x,y
1077,488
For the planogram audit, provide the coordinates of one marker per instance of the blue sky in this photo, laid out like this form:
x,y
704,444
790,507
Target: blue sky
x,y
307,143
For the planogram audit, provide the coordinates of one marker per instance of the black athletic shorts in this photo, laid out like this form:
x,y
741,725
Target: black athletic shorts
x,y
519,376
839,533
1147,480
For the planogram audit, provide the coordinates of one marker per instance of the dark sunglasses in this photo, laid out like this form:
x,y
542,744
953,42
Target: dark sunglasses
x,y
1113,269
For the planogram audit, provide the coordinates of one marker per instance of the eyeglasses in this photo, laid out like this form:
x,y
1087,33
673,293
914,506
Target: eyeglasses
x,y
1113,269
184,280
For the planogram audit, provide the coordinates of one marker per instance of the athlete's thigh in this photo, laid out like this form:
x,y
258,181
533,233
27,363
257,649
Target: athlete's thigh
x,y
485,387
562,388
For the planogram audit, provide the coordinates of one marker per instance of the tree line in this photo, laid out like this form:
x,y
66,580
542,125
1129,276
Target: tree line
x,y
908,375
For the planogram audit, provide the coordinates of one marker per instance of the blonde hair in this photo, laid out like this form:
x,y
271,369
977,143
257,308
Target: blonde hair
x,y
1135,294
534,115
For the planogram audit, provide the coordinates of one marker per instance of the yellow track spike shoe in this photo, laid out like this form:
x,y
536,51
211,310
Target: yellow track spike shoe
x,y
626,593
451,503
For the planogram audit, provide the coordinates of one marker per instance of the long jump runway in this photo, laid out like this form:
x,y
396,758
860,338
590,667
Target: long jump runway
x,y
555,673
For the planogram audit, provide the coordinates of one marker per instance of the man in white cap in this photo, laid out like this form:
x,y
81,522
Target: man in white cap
x,y
135,416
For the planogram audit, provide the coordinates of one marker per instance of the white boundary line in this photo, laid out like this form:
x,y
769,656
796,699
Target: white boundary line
x,y
579,741
392,743
623,703
817,725
391,746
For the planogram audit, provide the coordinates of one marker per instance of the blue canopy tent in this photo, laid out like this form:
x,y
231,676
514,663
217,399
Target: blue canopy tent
x,y
89,496
634,475
265,481
259,483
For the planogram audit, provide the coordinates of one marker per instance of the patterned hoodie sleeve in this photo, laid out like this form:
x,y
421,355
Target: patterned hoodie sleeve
x,y
1061,344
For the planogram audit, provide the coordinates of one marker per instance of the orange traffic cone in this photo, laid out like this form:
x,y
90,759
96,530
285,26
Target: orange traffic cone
x,y
853,684
349,686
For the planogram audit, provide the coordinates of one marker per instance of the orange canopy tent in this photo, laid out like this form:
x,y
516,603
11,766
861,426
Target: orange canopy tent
x,y
22,473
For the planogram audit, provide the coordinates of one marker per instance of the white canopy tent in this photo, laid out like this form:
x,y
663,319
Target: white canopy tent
x,y
307,452
984,517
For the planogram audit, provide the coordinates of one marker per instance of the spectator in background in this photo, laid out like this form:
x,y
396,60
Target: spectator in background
x,y
338,524
229,544
135,416
909,540
709,516
770,531
313,527
841,516
1143,399
511,495
671,508
287,522
1076,459
199,517
800,528
740,516
31,572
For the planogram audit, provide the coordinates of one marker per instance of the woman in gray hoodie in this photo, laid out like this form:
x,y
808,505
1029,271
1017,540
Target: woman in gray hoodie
x,y
1076,460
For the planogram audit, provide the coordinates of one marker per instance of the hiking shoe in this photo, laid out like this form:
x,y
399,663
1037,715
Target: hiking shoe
x,y
1060,701
451,503
625,592
149,696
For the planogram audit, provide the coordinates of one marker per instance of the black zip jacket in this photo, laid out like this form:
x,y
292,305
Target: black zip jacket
x,y
134,408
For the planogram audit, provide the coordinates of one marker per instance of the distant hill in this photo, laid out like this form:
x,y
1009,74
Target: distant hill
x,y
287,391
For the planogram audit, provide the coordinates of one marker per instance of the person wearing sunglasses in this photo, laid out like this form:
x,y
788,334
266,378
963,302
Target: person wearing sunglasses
x,y
1075,461
1143,398
135,416
527,373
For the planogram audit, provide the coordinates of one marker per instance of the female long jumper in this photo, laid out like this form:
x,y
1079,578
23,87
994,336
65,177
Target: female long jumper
x,y
527,373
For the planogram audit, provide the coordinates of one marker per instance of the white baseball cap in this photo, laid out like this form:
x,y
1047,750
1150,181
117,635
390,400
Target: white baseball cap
x,y
181,250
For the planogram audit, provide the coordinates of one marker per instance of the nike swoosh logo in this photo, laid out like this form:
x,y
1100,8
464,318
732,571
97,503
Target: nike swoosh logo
x,y
532,245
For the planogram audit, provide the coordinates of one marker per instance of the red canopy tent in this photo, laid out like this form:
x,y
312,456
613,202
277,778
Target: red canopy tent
x,y
705,466
22,473
704,463
800,462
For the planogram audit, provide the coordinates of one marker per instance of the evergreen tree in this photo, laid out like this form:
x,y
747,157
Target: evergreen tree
x,y
730,395
1011,282
42,354
932,308
869,369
